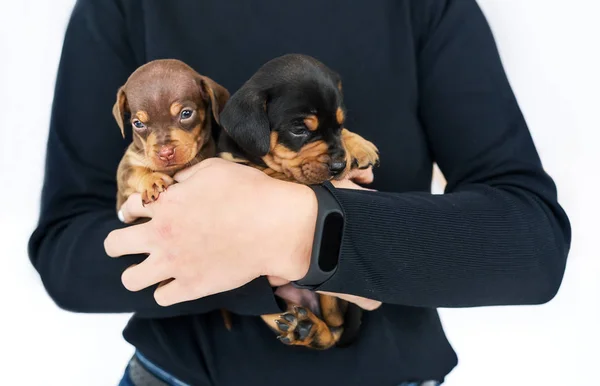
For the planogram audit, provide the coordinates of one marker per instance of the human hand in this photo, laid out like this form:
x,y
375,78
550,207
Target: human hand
x,y
354,178
220,227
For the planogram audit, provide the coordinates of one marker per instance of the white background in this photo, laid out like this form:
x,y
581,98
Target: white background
x,y
551,51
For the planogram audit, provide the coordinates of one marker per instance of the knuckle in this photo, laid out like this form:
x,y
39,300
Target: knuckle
x,y
210,161
170,258
164,230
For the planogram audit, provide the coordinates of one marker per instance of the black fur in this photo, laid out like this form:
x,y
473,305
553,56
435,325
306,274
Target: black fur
x,y
278,97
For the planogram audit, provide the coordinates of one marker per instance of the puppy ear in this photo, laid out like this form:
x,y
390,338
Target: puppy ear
x,y
217,94
337,79
245,120
120,108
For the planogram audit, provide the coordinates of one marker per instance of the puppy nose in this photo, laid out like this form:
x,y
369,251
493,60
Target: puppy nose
x,y
337,167
166,153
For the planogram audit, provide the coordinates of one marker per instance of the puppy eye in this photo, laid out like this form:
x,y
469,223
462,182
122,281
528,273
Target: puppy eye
x,y
186,114
138,124
299,130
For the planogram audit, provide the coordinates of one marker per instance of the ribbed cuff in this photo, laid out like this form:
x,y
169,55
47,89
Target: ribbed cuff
x,y
254,298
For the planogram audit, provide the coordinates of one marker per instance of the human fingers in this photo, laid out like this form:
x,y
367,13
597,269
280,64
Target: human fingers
x,y
171,292
127,241
347,184
364,303
362,176
133,209
149,272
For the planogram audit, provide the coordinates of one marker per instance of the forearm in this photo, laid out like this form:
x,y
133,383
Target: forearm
x,y
478,246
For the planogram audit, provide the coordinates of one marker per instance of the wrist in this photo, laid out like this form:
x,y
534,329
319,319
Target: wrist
x,y
305,206
298,207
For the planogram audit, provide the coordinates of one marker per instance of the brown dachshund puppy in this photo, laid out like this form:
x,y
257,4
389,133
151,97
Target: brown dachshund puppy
x,y
288,121
173,112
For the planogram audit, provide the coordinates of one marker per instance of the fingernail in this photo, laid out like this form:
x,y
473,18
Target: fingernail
x,y
121,216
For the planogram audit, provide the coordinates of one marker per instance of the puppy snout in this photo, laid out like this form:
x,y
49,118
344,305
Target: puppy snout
x,y
336,167
166,153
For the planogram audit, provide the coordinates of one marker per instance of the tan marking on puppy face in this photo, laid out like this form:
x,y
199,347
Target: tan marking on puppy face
x,y
202,116
175,108
340,116
142,116
311,122
310,165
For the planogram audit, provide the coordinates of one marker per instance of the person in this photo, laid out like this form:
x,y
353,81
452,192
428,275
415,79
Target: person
x,y
422,79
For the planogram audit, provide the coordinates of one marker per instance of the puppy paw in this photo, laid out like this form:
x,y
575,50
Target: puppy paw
x,y
153,185
300,327
362,153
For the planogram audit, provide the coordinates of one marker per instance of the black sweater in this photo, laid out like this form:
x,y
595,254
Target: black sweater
x,y
422,79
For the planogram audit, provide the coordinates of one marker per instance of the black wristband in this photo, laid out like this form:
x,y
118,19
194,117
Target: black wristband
x,y
327,240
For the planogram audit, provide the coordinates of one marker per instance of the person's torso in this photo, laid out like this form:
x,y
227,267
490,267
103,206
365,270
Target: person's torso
x,y
372,46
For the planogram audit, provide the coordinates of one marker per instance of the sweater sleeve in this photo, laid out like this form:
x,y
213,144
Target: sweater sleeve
x,y
498,235
79,192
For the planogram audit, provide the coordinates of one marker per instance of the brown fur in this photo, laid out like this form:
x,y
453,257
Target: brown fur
x,y
157,104
332,310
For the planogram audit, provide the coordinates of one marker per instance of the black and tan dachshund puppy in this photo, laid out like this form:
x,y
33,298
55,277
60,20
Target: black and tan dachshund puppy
x,y
288,121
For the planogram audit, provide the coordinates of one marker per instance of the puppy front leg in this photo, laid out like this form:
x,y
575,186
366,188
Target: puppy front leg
x,y
332,309
360,153
298,326
150,184
138,179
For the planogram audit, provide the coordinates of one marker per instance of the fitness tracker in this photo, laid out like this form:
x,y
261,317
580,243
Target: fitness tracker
x,y
327,240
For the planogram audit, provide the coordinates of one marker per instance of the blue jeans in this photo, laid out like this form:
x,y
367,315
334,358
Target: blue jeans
x,y
155,370
172,381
